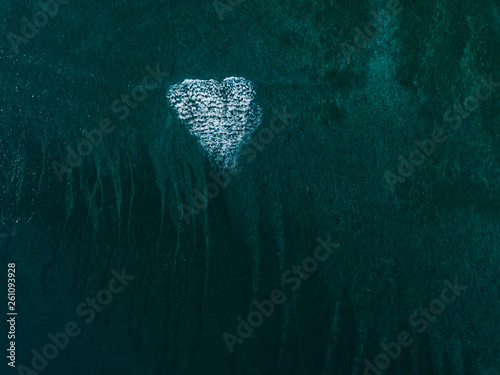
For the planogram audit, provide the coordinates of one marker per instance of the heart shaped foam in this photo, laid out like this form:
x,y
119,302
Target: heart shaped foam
x,y
222,116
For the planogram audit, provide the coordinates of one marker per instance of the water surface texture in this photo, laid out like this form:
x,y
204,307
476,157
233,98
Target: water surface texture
x,y
320,195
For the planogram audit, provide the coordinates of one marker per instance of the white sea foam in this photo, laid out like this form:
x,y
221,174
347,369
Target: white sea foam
x,y
222,116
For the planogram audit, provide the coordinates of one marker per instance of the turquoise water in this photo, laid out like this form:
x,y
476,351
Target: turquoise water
x,y
385,140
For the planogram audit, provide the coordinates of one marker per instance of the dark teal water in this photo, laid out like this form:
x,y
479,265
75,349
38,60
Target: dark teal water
x,y
395,155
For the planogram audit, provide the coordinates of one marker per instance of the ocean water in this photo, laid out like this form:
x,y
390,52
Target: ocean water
x,y
339,213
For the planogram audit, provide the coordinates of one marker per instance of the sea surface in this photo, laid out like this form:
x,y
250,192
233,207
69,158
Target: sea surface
x,y
358,231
